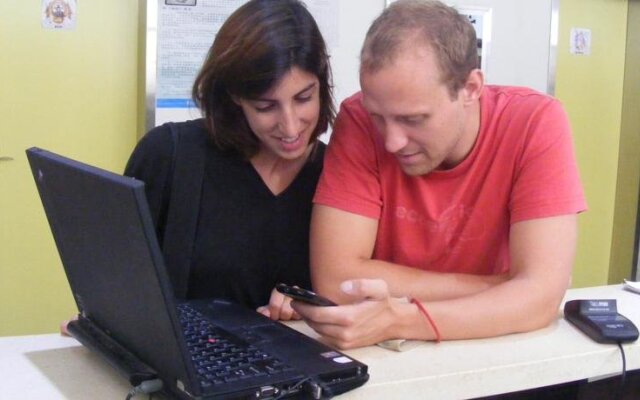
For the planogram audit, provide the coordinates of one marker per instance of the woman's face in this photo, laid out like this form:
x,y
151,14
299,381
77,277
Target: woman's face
x,y
284,117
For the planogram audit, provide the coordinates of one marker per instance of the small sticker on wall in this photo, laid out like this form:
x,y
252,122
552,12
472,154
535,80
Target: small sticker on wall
x,y
59,14
580,41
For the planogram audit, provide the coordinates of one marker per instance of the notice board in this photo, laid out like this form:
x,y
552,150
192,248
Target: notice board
x,y
180,32
517,45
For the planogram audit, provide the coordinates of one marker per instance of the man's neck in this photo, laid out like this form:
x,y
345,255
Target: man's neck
x,y
471,131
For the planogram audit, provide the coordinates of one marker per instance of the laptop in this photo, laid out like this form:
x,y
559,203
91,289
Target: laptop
x,y
127,312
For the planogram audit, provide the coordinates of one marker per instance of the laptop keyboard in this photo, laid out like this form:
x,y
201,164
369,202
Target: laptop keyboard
x,y
221,357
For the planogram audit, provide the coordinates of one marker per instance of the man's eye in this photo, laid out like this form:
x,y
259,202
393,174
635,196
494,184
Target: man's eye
x,y
412,120
377,120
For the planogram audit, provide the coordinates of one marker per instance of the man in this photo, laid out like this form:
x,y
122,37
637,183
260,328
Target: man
x,y
459,196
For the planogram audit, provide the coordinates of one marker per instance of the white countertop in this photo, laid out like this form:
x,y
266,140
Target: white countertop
x,y
56,367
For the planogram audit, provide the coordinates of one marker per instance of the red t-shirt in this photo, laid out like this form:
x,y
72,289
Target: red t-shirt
x,y
522,167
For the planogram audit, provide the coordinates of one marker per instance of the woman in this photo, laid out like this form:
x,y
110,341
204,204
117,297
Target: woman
x,y
265,94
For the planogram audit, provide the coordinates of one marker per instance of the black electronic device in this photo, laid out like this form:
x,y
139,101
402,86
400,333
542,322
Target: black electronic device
x,y
600,320
304,295
128,312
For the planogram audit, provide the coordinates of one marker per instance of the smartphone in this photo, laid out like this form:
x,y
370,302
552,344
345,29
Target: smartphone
x,y
305,295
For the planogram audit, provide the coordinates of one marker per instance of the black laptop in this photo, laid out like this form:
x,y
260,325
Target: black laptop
x,y
128,314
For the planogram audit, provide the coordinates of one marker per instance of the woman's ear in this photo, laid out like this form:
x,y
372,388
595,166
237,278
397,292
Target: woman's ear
x,y
235,99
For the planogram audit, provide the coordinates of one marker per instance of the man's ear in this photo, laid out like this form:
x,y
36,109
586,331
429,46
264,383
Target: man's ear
x,y
473,86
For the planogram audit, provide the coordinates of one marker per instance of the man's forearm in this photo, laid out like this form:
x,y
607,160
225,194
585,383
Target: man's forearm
x,y
402,280
518,305
462,306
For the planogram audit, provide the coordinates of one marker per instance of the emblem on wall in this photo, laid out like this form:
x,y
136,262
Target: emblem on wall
x,y
59,14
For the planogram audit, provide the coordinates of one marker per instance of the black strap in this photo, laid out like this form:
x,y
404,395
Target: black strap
x,y
184,204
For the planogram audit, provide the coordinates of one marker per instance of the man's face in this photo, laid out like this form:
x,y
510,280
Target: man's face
x,y
421,124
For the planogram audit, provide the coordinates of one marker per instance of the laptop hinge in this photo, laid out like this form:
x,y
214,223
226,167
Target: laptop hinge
x,y
94,338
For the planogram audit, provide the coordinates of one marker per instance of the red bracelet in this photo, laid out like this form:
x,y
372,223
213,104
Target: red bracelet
x,y
431,322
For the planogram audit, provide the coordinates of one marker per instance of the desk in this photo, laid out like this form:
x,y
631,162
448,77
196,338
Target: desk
x,y
55,367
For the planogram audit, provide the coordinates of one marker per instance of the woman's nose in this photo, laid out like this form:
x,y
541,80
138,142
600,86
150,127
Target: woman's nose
x,y
289,122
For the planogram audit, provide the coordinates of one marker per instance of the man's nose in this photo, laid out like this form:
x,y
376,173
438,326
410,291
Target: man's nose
x,y
394,138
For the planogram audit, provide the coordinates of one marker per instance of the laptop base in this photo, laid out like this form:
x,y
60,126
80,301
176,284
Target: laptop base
x,y
106,238
92,337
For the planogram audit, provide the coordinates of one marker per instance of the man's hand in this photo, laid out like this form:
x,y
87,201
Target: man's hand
x,y
373,315
463,306
341,245
279,307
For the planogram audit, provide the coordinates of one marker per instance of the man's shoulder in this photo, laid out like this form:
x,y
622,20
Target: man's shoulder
x,y
352,112
498,93
514,100
353,102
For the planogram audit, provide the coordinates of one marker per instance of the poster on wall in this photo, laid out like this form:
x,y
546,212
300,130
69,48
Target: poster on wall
x,y
185,31
580,41
480,18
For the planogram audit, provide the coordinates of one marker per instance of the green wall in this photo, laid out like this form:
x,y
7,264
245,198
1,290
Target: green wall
x,y
72,92
591,88
81,93
626,206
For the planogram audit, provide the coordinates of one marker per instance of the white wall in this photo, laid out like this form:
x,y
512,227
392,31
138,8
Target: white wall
x,y
518,51
520,41
520,48
354,19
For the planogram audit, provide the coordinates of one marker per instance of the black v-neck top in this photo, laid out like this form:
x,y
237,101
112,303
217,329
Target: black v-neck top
x,y
247,239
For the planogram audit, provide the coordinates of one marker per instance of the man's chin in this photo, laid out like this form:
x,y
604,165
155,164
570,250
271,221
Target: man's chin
x,y
416,170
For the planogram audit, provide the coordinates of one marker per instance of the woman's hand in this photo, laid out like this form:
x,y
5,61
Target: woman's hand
x,y
279,308
63,326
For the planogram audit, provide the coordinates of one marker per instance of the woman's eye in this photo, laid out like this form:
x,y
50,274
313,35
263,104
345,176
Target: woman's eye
x,y
264,108
304,99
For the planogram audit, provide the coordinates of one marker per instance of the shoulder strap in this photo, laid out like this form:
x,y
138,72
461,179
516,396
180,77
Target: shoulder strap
x,y
184,203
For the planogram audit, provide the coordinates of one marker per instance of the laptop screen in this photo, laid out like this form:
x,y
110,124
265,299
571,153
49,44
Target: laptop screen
x,y
107,244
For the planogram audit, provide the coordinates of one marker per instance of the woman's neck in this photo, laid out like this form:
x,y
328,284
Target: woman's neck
x,y
278,173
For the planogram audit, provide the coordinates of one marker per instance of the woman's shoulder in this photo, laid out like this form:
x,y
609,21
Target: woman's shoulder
x,y
157,146
161,139
192,127
164,133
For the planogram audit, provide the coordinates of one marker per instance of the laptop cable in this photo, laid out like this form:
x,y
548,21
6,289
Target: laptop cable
x,y
146,387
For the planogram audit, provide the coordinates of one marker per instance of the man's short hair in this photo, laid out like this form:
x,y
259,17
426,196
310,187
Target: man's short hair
x,y
408,23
